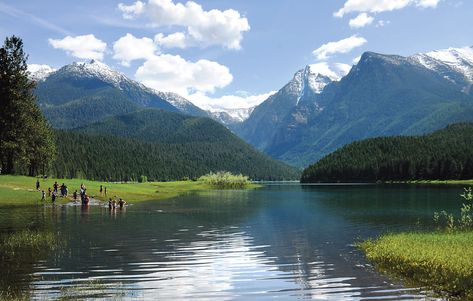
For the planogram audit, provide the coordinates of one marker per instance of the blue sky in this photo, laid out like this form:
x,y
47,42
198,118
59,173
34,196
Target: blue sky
x,y
230,53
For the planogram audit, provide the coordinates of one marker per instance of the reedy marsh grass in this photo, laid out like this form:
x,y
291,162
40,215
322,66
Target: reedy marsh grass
x,y
440,260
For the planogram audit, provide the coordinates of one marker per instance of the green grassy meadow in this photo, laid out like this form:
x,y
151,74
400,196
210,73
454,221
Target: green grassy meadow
x,y
21,190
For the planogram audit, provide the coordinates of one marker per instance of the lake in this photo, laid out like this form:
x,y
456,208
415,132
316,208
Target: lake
x,y
283,241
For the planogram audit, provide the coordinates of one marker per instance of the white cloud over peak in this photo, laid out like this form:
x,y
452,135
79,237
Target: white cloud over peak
x,y
378,6
335,71
342,46
356,60
203,28
172,73
129,48
227,102
82,47
361,20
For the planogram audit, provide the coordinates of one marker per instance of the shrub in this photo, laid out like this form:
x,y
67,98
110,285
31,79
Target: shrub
x,y
142,179
226,180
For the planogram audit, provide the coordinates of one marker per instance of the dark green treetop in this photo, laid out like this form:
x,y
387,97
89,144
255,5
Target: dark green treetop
x,y
26,141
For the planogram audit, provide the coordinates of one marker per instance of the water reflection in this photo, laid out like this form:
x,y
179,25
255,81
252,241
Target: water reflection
x,y
280,242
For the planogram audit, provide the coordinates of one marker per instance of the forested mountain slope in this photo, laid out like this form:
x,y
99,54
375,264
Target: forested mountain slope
x,y
162,146
445,154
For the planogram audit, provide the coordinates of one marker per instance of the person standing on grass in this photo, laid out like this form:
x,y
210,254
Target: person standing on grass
x,y
55,187
37,184
49,191
43,196
105,190
53,196
101,189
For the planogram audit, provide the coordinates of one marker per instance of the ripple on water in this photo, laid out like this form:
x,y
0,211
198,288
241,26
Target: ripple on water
x,y
278,248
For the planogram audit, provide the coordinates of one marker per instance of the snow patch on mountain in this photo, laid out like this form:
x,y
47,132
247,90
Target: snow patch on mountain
x,y
451,60
175,99
39,72
231,116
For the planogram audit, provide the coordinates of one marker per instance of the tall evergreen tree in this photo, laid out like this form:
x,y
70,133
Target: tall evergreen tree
x,y
26,140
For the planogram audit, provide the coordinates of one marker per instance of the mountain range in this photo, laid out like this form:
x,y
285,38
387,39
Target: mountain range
x,y
322,108
382,95
113,128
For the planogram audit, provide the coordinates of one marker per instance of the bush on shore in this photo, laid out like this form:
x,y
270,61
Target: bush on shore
x,y
226,180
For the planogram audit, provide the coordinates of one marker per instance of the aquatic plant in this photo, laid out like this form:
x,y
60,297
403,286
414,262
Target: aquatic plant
x,y
446,221
9,296
28,240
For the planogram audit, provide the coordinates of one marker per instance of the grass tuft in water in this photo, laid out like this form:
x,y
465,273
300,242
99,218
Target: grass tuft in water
x,y
8,296
441,261
28,240
93,289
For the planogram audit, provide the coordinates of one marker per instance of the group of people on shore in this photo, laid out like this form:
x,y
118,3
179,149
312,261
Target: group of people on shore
x,y
57,191
62,191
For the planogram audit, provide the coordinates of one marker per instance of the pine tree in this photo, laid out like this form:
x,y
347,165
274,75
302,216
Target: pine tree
x,y
26,140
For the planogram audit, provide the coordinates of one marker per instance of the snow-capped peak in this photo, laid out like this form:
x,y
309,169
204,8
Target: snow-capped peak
x,y
39,72
457,60
317,76
97,69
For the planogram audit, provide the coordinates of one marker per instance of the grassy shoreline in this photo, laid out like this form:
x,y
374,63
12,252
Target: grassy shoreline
x,y
436,182
20,190
441,261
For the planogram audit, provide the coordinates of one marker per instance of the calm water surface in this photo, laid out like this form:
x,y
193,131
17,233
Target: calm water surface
x,y
281,241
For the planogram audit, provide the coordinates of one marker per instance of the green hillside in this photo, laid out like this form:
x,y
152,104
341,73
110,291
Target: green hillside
x,y
444,154
88,109
162,146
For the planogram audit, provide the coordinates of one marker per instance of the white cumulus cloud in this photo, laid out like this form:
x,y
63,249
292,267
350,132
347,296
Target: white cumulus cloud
x,y
227,101
129,48
342,46
428,3
202,28
174,40
378,6
172,73
361,20
82,47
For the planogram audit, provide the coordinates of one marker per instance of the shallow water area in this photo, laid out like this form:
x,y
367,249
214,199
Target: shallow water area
x,y
284,241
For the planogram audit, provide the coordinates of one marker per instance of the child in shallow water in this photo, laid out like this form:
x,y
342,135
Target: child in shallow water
x,y
121,203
